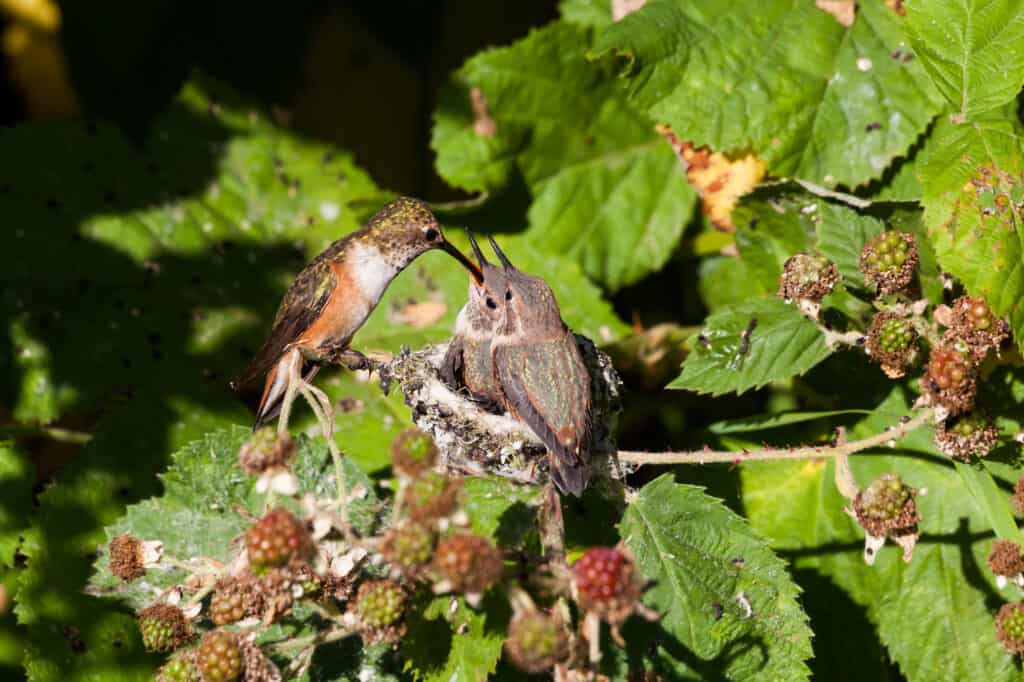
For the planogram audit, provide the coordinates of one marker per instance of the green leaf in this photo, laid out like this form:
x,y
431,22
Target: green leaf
x,y
816,100
607,190
502,510
781,343
993,503
923,610
842,234
593,13
449,641
16,481
973,50
771,227
774,421
700,554
973,179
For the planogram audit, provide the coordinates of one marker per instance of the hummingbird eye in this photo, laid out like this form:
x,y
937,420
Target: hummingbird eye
x,y
431,234
491,304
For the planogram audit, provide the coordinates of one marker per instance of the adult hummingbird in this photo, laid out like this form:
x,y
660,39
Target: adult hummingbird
x,y
468,361
541,373
334,295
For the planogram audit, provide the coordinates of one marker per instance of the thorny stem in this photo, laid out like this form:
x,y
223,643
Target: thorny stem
x,y
709,456
312,640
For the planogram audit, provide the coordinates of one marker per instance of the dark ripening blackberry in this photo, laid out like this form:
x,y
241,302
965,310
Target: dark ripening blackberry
x,y
892,341
276,539
605,582
126,560
951,380
536,641
1005,558
219,658
807,276
974,325
886,507
1010,627
967,437
236,598
163,627
469,562
889,260
413,452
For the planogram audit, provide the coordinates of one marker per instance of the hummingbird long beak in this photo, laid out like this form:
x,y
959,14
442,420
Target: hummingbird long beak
x,y
474,270
505,262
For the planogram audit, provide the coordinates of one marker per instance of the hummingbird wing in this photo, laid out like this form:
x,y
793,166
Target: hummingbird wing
x,y
547,385
452,365
302,305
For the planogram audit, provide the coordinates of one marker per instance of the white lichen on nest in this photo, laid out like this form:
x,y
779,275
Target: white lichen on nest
x,y
477,442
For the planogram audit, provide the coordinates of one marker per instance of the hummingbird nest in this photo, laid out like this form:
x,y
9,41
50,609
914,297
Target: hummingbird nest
x,y
472,440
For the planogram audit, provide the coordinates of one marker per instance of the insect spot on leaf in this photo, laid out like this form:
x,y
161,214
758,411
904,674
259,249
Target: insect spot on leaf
x,y
874,125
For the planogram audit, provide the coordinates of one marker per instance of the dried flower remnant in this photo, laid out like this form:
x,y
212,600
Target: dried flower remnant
x,y
967,437
1006,563
886,509
807,276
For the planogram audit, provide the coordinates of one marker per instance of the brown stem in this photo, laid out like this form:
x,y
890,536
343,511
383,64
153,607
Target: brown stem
x,y
709,456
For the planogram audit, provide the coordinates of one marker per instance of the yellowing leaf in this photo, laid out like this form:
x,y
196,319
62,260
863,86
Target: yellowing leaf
x,y
719,180
421,314
843,10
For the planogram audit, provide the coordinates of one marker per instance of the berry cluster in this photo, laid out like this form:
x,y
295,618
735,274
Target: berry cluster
x,y
892,341
973,325
276,539
412,452
886,507
265,451
951,379
889,260
1005,558
807,276
163,627
605,582
536,641
219,657
468,563
1010,627
967,437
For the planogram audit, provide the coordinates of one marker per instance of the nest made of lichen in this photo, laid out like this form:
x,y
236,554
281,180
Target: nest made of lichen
x,y
474,441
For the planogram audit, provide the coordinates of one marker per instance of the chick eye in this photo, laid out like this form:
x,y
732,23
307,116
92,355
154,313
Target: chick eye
x,y
431,234
491,304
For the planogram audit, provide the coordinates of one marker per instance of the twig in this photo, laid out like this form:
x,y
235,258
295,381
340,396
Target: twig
x,y
313,640
709,456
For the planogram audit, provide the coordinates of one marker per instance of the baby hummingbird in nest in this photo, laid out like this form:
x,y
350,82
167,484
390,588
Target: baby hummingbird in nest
x,y
540,370
331,299
468,362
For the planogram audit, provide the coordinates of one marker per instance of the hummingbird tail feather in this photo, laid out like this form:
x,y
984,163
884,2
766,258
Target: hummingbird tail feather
x,y
270,402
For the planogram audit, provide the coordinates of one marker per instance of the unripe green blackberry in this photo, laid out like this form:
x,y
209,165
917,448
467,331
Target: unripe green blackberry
x,y
967,437
266,449
431,495
807,276
973,325
412,452
235,598
1010,627
886,507
219,658
163,627
468,562
180,668
409,547
951,379
536,641
889,260
276,539
380,603
892,341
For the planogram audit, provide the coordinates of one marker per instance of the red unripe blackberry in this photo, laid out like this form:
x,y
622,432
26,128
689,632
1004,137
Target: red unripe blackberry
x,y
265,450
889,260
605,581
235,598
380,603
469,562
1010,627
431,495
219,658
163,627
950,380
536,641
409,547
276,539
974,325
807,276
